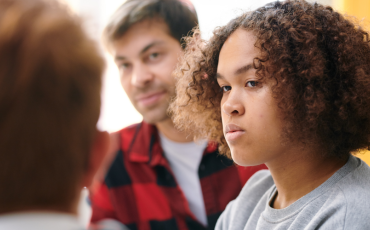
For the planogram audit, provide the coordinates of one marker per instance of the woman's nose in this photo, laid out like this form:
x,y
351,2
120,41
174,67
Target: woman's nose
x,y
233,105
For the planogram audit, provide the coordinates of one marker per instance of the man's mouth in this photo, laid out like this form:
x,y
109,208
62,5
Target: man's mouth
x,y
150,98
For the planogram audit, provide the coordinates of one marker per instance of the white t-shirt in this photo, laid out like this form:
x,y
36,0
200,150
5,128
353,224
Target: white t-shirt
x,y
184,160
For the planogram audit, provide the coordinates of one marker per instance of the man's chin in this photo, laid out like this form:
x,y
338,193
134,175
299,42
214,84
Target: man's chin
x,y
155,121
154,114
155,117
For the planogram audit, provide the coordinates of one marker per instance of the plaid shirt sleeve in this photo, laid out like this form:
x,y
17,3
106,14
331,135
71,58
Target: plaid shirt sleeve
x,y
103,209
141,192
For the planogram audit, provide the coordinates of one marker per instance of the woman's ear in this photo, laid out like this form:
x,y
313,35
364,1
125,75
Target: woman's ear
x,y
99,150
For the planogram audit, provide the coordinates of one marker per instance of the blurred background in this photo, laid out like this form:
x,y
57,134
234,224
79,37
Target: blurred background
x,y
117,111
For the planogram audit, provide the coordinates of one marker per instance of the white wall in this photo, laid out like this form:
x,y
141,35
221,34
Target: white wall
x,y
218,13
213,13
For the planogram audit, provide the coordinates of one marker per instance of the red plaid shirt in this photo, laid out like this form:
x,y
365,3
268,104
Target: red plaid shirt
x,y
141,192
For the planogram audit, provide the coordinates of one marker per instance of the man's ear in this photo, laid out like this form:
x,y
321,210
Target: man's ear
x,y
99,150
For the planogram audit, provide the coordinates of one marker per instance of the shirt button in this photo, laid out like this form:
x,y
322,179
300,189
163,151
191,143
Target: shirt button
x,y
202,167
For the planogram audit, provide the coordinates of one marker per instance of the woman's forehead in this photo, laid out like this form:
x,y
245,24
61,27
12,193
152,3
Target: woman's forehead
x,y
238,51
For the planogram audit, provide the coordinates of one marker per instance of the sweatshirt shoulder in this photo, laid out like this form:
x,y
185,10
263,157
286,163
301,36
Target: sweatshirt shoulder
x,y
355,190
238,211
256,186
355,186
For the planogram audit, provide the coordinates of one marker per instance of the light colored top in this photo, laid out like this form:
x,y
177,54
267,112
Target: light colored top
x,y
184,160
109,224
39,221
341,202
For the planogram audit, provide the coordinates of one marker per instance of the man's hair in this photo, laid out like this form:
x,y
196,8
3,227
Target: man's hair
x,y
179,16
50,81
319,60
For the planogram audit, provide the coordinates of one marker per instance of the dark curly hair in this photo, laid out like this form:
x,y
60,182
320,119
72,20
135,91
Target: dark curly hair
x,y
320,62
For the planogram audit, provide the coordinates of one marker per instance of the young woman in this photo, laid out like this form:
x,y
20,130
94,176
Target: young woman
x,y
287,85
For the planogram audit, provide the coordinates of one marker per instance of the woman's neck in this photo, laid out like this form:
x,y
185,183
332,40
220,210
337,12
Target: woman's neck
x,y
299,172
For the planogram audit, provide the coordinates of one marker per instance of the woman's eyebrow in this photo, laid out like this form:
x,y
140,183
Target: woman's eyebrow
x,y
219,76
243,69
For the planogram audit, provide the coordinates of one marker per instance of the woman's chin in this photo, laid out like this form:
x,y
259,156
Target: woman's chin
x,y
244,158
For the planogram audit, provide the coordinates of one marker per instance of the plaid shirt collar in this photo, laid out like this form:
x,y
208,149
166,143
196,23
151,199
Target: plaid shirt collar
x,y
147,135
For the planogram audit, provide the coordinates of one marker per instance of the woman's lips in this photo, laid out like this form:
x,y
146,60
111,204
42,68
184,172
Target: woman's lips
x,y
233,132
232,136
148,100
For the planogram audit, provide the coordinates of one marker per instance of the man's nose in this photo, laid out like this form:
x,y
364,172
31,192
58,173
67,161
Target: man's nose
x,y
141,76
233,105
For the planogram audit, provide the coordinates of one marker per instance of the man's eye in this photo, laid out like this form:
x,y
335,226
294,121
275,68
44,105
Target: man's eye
x,y
125,65
225,88
153,56
252,84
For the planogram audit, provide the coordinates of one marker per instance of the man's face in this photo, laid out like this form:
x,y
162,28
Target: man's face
x,y
146,56
250,116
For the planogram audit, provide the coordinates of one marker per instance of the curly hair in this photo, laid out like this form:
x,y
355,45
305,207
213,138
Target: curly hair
x,y
319,59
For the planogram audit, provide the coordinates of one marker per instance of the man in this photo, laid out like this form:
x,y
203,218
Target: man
x,y
50,81
159,178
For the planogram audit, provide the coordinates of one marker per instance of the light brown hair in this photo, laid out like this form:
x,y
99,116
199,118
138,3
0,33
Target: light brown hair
x,y
50,81
179,15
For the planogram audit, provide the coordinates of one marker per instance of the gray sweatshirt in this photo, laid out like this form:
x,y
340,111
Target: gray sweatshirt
x,y
341,202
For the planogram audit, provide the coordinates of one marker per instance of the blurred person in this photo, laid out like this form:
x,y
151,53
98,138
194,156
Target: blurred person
x,y
159,178
50,82
290,86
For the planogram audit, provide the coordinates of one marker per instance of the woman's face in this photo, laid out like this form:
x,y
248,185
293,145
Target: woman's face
x,y
250,117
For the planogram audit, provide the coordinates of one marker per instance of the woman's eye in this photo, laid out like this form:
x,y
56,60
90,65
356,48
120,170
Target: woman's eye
x,y
225,88
252,84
